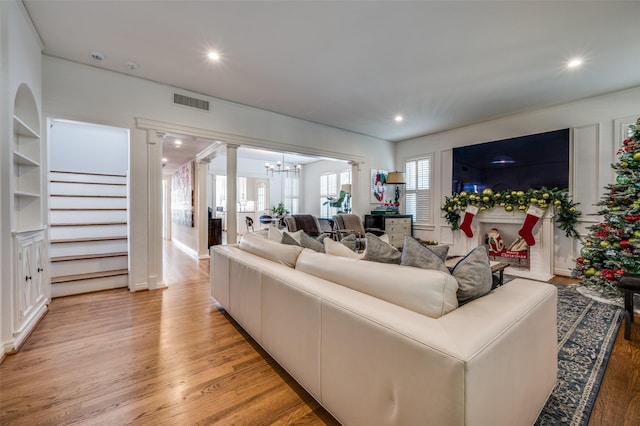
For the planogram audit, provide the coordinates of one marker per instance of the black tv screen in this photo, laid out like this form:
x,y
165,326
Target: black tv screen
x,y
522,163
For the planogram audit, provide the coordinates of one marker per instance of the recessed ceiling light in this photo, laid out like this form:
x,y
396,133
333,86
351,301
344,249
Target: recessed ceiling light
x,y
96,56
574,63
164,160
213,55
177,142
398,118
131,65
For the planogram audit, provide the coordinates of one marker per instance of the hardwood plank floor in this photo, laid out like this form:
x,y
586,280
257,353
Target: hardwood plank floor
x,y
171,357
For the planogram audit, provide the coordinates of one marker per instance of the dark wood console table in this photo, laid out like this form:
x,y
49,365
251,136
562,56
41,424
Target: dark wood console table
x,y
215,231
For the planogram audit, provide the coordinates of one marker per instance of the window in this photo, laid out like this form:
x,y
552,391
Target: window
x,y
261,197
221,191
418,189
330,184
292,194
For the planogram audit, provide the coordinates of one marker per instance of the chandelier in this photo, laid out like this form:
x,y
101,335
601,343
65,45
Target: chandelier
x,y
282,167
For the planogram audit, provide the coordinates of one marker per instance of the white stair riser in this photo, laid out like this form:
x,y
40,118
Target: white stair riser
x,y
73,177
87,266
70,232
80,216
87,203
85,189
93,247
86,286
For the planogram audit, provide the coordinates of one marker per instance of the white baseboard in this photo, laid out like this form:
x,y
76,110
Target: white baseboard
x,y
188,250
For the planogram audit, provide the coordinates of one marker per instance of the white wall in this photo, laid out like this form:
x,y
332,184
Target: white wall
x,y
20,62
595,124
89,148
83,93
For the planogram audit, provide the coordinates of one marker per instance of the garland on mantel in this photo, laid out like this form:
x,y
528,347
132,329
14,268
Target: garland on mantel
x,y
566,212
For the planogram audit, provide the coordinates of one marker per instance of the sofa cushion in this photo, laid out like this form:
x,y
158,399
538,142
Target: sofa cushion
x,y
315,244
379,251
335,248
274,234
473,273
428,292
426,257
290,238
350,241
268,249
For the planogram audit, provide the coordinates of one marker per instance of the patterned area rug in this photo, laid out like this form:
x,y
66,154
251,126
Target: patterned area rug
x,y
586,332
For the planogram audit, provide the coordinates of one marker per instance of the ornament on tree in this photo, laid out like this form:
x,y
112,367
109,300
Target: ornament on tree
x,y
469,213
533,216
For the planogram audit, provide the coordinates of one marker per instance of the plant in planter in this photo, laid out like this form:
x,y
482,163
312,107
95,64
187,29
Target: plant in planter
x,y
279,210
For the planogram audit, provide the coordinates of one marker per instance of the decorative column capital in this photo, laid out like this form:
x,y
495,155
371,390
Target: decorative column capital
x,y
154,136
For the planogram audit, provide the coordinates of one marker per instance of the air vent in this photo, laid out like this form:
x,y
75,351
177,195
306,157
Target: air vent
x,y
190,102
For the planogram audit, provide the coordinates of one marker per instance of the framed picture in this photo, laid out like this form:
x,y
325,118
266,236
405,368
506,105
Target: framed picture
x,y
378,186
182,202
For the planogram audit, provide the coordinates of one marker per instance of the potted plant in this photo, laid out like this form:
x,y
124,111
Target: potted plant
x,y
279,210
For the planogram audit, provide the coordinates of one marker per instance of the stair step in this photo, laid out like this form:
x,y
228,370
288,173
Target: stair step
x,y
87,240
72,209
87,224
87,196
88,256
87,183
87,173
93,275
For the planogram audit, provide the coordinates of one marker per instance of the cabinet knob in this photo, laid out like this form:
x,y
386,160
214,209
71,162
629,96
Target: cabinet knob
x,y
40,269
27,277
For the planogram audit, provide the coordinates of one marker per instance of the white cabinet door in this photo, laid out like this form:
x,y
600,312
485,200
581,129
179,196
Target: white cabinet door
x,y
29,295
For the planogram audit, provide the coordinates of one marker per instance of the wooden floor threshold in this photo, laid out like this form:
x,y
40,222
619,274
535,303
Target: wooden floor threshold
x,y
87,240
88,256
89,276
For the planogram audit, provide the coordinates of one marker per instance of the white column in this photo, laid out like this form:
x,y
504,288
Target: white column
x,y
355,187
202,222
232,194
154,211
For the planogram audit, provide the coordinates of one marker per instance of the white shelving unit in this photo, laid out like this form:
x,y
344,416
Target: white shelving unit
x,y
31,285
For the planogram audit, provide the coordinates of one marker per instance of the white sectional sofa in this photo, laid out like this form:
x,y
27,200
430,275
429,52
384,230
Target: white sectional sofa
x,y
382,344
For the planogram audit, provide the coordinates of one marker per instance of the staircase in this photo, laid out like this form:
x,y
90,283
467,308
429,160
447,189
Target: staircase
x,y
88,232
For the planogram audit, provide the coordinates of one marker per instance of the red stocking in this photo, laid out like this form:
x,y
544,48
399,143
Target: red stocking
x,y
533,216
469,213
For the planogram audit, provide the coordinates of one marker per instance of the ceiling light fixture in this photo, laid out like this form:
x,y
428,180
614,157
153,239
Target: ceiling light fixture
x,y
164,160
574,63
131,65
177,142
282,167
398,118
213,55
96,56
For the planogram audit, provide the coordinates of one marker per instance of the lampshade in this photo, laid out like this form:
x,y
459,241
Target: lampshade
x,y
346,188
397,178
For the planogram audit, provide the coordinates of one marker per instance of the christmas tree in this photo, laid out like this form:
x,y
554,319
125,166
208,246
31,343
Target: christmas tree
x,y
613,245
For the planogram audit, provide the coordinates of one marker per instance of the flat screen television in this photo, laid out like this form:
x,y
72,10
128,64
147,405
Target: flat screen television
x,y
522,163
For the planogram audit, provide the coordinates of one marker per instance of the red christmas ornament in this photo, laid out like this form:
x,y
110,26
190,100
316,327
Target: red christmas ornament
x,y
626,142
624,244
580,260
620,272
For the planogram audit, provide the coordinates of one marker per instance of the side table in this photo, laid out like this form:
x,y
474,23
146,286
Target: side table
x,y
629,284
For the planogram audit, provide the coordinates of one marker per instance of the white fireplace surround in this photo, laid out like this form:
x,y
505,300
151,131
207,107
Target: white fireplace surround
x,y
509,223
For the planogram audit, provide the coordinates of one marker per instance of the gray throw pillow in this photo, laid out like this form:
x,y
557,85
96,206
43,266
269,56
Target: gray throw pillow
x,y
473,273
426,257
315,244
379,251
287,238
350,241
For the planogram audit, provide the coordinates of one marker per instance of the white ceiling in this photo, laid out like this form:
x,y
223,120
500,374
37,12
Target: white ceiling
x,y
354,65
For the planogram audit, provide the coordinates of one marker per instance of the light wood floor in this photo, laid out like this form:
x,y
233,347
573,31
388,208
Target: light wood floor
x,y
172,357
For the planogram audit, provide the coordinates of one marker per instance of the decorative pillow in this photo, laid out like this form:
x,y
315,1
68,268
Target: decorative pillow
x,y
473,273
287,238
315,244
350,241
425,257
274,234
335,248
379,251
276,252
